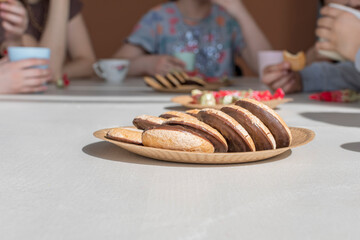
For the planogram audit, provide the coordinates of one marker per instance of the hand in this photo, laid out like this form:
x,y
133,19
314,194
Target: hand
x,y
163,64
313,55
15,19
233,7
19,77
281,76
341,30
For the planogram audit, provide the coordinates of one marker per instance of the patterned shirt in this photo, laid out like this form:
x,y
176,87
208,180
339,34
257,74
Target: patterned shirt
x,y
215,40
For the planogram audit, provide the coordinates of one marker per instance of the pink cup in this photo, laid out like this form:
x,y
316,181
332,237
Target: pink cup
x,y
268,58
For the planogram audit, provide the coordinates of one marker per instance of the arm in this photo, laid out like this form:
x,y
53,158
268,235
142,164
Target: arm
x,y
320,76
328,77
254,38
312,56
132,53
82,55
54,35
140,49
145,64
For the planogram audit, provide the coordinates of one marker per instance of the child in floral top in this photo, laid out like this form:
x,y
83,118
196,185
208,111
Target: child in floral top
x,y
214,30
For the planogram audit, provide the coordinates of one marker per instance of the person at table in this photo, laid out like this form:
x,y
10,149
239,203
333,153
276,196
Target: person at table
x,y
318,75
18,77
21,77
59,25
14,24
215,30
342,33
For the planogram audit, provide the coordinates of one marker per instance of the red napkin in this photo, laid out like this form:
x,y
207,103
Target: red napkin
x,y
341,96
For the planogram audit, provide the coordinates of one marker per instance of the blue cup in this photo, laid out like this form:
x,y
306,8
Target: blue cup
x,y
21,53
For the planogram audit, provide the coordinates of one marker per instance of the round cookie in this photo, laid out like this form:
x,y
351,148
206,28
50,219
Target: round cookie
x,y
271,119
173,114
261,135
237,137
202,129
176,138
145,122
127,135
193,112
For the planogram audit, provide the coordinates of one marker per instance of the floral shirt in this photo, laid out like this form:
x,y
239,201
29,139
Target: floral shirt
x,y
215,40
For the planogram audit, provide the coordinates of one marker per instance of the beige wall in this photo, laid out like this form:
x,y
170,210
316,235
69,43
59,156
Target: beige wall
x,y
289,24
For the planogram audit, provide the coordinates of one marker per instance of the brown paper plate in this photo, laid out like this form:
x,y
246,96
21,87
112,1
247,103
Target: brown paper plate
x,y
186,100
189,88
301,136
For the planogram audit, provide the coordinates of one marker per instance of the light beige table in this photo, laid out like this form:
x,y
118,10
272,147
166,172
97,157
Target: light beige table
x,y
58,182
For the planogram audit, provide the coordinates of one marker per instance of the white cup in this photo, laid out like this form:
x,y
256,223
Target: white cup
x,y
332,54
113,70
268,58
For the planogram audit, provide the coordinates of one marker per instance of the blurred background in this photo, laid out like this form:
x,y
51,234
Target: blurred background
x,y
289,24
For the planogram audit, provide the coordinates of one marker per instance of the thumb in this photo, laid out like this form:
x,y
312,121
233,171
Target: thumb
x,y
177,62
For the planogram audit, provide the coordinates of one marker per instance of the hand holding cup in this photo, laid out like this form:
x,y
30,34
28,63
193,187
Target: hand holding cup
x,y
164,64
22,77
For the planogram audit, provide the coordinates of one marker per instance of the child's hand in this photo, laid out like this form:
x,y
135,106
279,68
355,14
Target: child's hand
x,y
163,64
15,19
281,76
341,30
231,6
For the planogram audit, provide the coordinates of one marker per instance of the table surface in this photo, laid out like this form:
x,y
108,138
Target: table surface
x,y
59,182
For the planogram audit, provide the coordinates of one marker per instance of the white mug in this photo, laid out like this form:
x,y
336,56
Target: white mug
x,y
332,54
113,70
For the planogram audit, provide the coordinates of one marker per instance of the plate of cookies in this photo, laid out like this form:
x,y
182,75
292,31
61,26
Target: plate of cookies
x,y
181,82
200,99
247,131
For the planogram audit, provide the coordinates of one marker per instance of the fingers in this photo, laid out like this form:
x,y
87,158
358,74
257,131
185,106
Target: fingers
x,y
289,86
281,82
177,62
13,7
36,82
330,12
37,73
285,66
324,33
294,85
33,89
13,18
165,69
28,63
325,22
12,29
271,77
325,45
275,72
